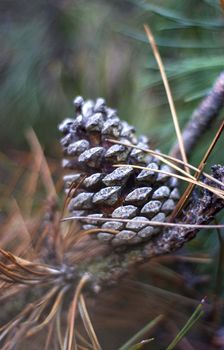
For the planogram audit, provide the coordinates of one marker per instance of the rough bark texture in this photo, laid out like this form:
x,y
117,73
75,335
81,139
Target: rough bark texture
x,y
105,270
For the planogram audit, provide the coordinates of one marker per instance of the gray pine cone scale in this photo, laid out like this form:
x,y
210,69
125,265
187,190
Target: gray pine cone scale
x,y
107,191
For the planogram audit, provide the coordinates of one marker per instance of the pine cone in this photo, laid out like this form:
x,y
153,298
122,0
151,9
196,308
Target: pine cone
x,y
106,191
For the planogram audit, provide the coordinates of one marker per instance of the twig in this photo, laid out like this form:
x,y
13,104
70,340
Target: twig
x,y
200,211
202,117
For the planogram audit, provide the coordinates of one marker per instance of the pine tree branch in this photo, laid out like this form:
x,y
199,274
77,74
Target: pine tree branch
x,y
208,110
201,210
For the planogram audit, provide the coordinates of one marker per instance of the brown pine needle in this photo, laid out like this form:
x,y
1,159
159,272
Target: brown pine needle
x,y
28,316
15,260
49,336
158,155
45,171
12,324
88,324
51,314
84,341
21,221
32,180
151,223
96,230
164,157
73,309
216,191
211,147
58,328
15,276
89,232
168,92
44,269
42,302
189,189
73,188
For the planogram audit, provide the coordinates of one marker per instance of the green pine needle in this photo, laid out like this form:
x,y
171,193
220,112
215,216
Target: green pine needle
x,y
197,314
128,345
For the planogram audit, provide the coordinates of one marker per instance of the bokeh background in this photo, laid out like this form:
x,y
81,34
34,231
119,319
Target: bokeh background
x,y
53,50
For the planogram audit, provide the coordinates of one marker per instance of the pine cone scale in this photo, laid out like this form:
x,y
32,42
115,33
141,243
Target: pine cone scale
x,y
106,191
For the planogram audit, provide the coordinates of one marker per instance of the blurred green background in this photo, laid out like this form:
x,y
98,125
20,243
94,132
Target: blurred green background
x,y
53,50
